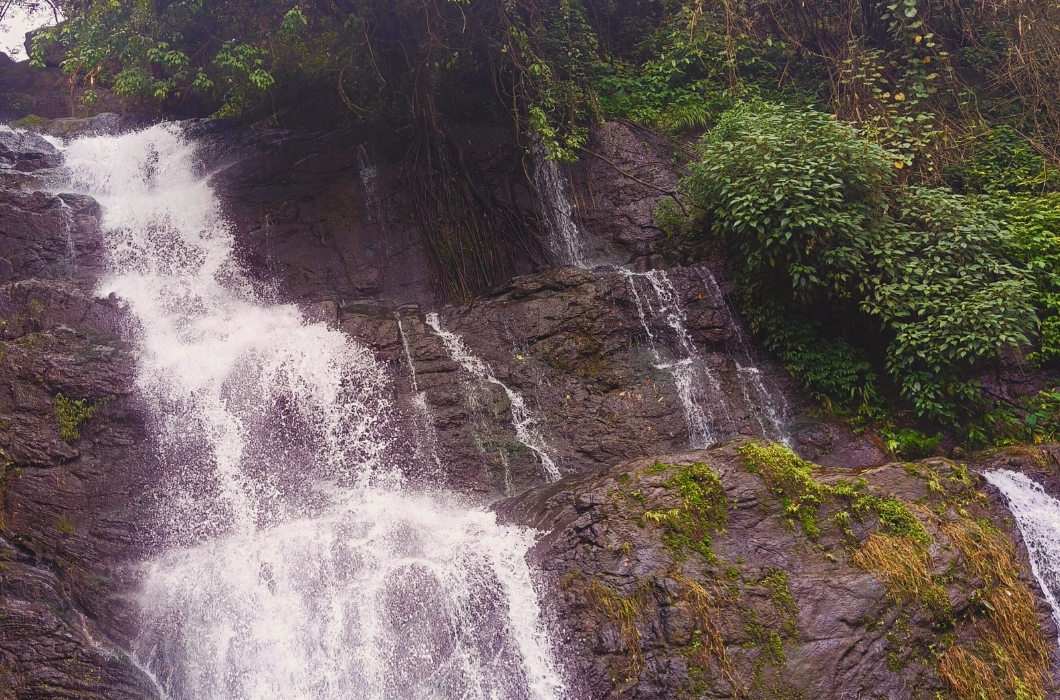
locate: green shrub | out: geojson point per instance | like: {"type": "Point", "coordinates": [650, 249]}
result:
{"type": "Point", "coordinates": [822, 229]}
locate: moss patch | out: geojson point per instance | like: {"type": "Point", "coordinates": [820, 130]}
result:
{"type": "Point", "coordinates": [790, 477]}
{"type": "Point", "coordinates": [704, 508]}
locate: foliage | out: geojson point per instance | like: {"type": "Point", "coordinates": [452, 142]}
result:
{"type": "Point", "coordinates": [71, 413]}
{"type": "Point", "coordinates": [821, 227]}
{"type": "Point", "coordinates": [909, 443]}
{"type": "Point", "coordinates": [1033, 226]}
{"type": "Point", "coordinates": [704, 508]}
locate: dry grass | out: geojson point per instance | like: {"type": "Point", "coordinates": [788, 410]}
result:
{"type": "Point", "coordinates": [704, 603]}
{"type": "Point", "coordinates": [905, 566]}
{"type": "Point", "coordinates": [623, 613]}
{"type": "Point", "coordinates": [1011, 630]}
{"type": "Point", "coordinates": [968, 677]}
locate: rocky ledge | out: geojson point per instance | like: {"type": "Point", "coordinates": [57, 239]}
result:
{"type": "Point", "coordinates": [745, 571]}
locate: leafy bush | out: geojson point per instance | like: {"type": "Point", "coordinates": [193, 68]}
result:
{"type": "Point", "coordinates": [823, 230]}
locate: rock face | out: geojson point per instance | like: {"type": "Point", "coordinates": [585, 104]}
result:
{"type": "Point", "coordinates": [72, 484]}
{"type": "Point", "coordinates": [584, 367]}
{"type": "Point", "coordinates": [770, 606]}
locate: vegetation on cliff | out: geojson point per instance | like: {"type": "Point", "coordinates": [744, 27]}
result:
{"type": "Point", "coordinates": [885, 173]}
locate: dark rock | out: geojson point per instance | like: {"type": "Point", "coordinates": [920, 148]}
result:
{"type": "Point", "coordinates": [840, 636]}
{"type": "Point", "coordinates": [26, 152]}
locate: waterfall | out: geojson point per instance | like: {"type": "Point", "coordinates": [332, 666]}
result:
{"type": "Point", "coordinates": [767, 406]}
{"type": "Point", "coordinates": [369, 175]}
{"type": "Point", "coordinates": [696, 384]}
{"type": "Point", "coordinates": [557, 211]}
{"type": "Point", "coordinates": [70, 259]}
{"type": "Point", "coordinates": [425, 439]}
{"type": "Point", "coordinates": [294, 561]}
{"type": "Point", "coordinates": [1038, 517]}
{"type": "Point", "coordinates": [702, 396]}
{"type": "Point", "coordinates": [522, 419]}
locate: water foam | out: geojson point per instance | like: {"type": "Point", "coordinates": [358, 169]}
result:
{"type": "Point", "coordinates": [296, 563]}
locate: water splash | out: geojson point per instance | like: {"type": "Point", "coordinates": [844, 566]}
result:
{"type": "Point", "coordinates": [522, 419]}
{"type": "Point", "coordinates": [1038, 516]}
{"type": "Point", "coordinates": [297, 564]}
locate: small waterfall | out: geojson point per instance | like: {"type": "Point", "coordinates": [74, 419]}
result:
{"type": "Point", "coordinates": [522, 419]}
{"type": "Point", "coordinates": [426, 440]}
{"type": "Point", "coordinates": [369, 175]}
{"type": "Point", "coordinates": [701, 394]}
{"type": "Point", "coordinates": [70, 259]}
{"type": "Point", "coordinates": [768, 408]}
{"type": "Point", "coordinates": [295, 562]}
{"type": "Point", "coordinates": [1038, 517]}
{"type": "Point", "coordinates": [557, 211]}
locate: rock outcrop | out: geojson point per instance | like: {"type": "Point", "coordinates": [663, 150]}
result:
{"type": "Point", "coordinates": [76, 452]}
{"type": "Point", "coordinates": [726, 573]}
{"type": "Point", "coordinates": [667, 579]}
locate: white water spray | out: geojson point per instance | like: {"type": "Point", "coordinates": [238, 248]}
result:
{"type": "Point", "coordinates": [296, 563]}
{"type": "Point", "coordinates": [1038, 516]}
{"type": "Point", "coordinates": [522, 419]}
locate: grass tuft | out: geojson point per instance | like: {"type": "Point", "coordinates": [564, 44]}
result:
{"type": "Point", "coordinates": [904, 565]}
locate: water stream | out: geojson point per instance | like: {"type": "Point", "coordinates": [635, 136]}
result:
{"type": "Point", "coordinates": [708, 416]}
{"type": "Point", "coordinates": [294, 561]}
{"type": "Point", "coordinates": [557, 211]}
{"type": "Point", "coordinates": [523, 420]}
{"type": "Point", "coordinates": [1038, 517]}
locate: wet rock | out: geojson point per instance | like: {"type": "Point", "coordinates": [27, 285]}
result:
{"type": "Point", "coordinates": [26, 152]}
{"type": "Point", "coordinates": [71, 503]}
{"type": "Point", "coordinates": [795, 616]}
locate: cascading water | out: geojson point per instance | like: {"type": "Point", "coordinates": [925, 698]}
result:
{"type": "Point", "coordinates": [696, 384]}
{"type": "Point", "coordinates": [1038, 517]}
{"type": "Point", "coordinates": [557, 211]}
{"type": "Point", "coordinates": [522, 419]}
{"type": "Point", "coordinates": [294, 561]}
{"type": "Point", "coordinates": [769, 409]}
{"type": "Point", "coordinates": [70, 259]}
{"type": "Point", "coordinates": [424, 436]}
{"type": "Point", "coordinates": [703, 399]}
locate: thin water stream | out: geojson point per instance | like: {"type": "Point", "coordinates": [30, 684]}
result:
{"type": "Point", "coordinates": [295, 562]}
{"type": "Point", "coordinates": [706, 406]}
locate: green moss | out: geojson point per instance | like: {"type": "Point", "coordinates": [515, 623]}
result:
{"type": "Point", "coordinates": [30, 121]}
{"type": "Point", "coordinates": [783, 602]}
{"type": "Point", "coordinates": [704, 508]}
{"type": "Point", "coordinates": [71, 413]}
{"type": "Point", "coordinates": [790, 478]}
